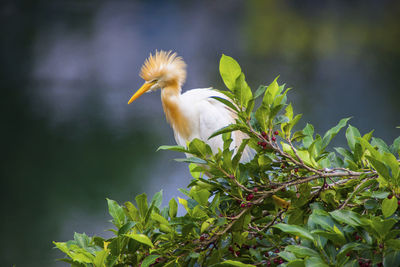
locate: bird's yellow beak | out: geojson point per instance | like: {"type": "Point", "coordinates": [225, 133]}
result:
{"type": "Point", "coordinates": [145, 87]}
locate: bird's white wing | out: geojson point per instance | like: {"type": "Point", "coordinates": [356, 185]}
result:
{"type": "Point", "coordinates": [213, 115]}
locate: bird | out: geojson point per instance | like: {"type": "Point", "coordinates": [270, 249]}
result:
{"type": "Point", "coordinates": [194, 113]}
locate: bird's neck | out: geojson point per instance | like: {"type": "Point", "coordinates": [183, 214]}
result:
{"type": "Point", "coordinates": [173, 109]}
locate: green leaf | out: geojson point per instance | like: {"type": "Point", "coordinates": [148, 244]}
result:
{"type": "Point", "coordinates": [350, 247]}
{"type": "Point", "coordinates": [380, 167]}
{"type": "Point", "coordinates": [198, 147]}
{"type": "Point", "coordinates": [232, 263]}
{"type": "Point", "coordinates": [226, 102]}
{"type": "Point", "coordinates": [262, 116]}
{"type": "Point", "coordinates": [393, 243]}
{"type": "Point", "coordinates": [260, 90]}
{"type": "Point", "coordinates": [389, 206]}
{"type": "Point", "coordinates": [141, 239]}
{"type": "Point", "coordinates": [173, 148]}
{"type": "Point", "coordinates": [335, 237]}
{"type": "Point", "coordinates": [333, 132]}
{"type": "Point", "coordinates": [315, 262]}
{"type": "Point", "coordinates": [116, 212]}
{"type": "Point", "coordinates": [132, 211]}
{"type": "Point", "coordinates": [229, 70]}
{"type": "Point", "coordinates": [301, 251]}
{"type": "Point", "coordinates": [295, 230]}
{"type": "Point", "coordinates": [192, 160]}
{"type": "Point", "coordinates": [141, 201]}
{"type": "Point", "coordinates": [157, 199]}
{"type": "Point", "coordinates": [348, 217]}
{"type": "Point", "coordinates": [382, 227]}
{"type": "Point", "coordinates": [149, 260]}
{"type": "Point", "coordinates": [126, 227]}
{"type": "Point", "coordinates": [228, 129]}
{"type": "Point", "coordinates": [200, 195]}
{"type": "Point", "coordinates": [351, 134]}
{"type": "Point", "coordinates": [242, 91]}
{"type": "Point", "coordinates": [100, 259]}
{"type": "Point", "coordinates": [206, 224]}
{"type": "Point", "coordinates": [82, 240]}
{"type": "Point", "coordinates": [271, 92]}
{"type": "Point", "coordinates": [391, 259]}
{"type": "Point", "coordinates": [173, 208]}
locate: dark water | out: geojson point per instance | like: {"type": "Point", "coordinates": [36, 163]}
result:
{"type": "Point", "coordinates": [68, 68]}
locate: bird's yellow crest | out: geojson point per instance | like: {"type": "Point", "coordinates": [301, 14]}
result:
{"type": "Point", "coordinates": [163, 69]}
{"type": "Point", "coordinates": [166, 66]}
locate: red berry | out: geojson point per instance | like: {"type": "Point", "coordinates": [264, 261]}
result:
{"type": "Point", "coordinates": [249, 204]}
{"type": "Point", "coordinates": [259, 143]}
{"type": "Point", "coordinates": [348, 255]}
{"type": "Point", "coordinates": [273, 138]}
{"type": "Point", "coordinates": [380, 245]}
{"type": "Point", "coordinates": [390, 196]}
{"type": "Point", "coordinates": [357, 237]}
{"type": "Point", "coordinates": [249, 197]}
{"type": "Point", "coordinates": [242, 205]}
{"type": "Point", "coordinates": [266, 254]}
{"type": "Point", "coordinates": [283, 166]}
{"type": "Point", "coordinates": [264, 134]}
{"type": "Point", "coordinates": [276, 133]}
{"type": "Point", "coordinates": [276, 251]}
{"type": "Point", "coordinates": [268, 263]}
{"type": "Point", "coordinates": [237, 253]}
{"type": "Point", "coordinates": [230, 249]}
{"type": "Point", "coordinates": [255, 190]}
{"type": "Point", "coordinates": [276, 260]}
{"type": "Point", "coordinates": [221, 215]}
{"type": "Point", "coordinates": [202, 238]}
{"type": "Point", "coordinates": [280, 261]}
{"type": "Point", "coordinates": [398, 203]}
{"type": "Point", "coordinates": [296, 169]}
{"type": "Point", "coordinates": [232, 176]}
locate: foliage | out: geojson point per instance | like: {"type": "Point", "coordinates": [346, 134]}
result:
{"type": "Point", "coordinates": [296, 203]}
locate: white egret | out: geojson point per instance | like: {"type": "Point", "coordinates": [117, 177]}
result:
{"type": "Point", "coordinates": [193, 114]}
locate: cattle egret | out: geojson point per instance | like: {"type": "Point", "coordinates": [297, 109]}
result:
{"type": "Point", "coordinates": [193, 114]}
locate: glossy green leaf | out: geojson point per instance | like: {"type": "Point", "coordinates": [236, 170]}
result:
{"type": "Point", "coordinates": [301, 251]}
{"type": "Point", "coordinates": [351, 134]}
{"type": "Point", "coordinates": [144, 239]}
{"type": "Point", "coordinates": [229, 70]}
{"type": "Point", "coordinates": [100, 259]}
{"type": "Point", "coordinates": [389, 206]}
{"type": "Point", "coordinates": [295, 230]}
{"type": "Point", "coordinates": [116, 212]}
{"type": "Point", "coordinates": [149, 260]}
{"type": "Point", "coordinates": [173, 208]}
{"type": "Point", "coordinates": [141, 201]}
{"type": "Point", "coordinates": [226, 102]}
{"type": "Point", "coordinates": [232, 263]}
{"type": "Point", "coordinates": [173, 148]}
{"type": "Point", "coordinates": [242, 91]}
{"type": "Point", "coordinates": [333, 132]}
{"type": "Point", "coordinates": [348, 217]}
{"type": "Point", "coordinates": [157, 199]}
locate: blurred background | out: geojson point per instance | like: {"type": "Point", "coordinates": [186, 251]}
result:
{"type": "Point", "coordinates": [68, 68]}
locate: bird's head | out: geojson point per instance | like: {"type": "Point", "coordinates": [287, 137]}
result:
{"type": "Point", "coordinates": [161, 70]}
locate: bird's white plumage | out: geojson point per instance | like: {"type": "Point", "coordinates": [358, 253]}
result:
{"type": "Point", "coordinates": [194, 114]}
{"type": "Point", "coordinates": [207, 116]}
